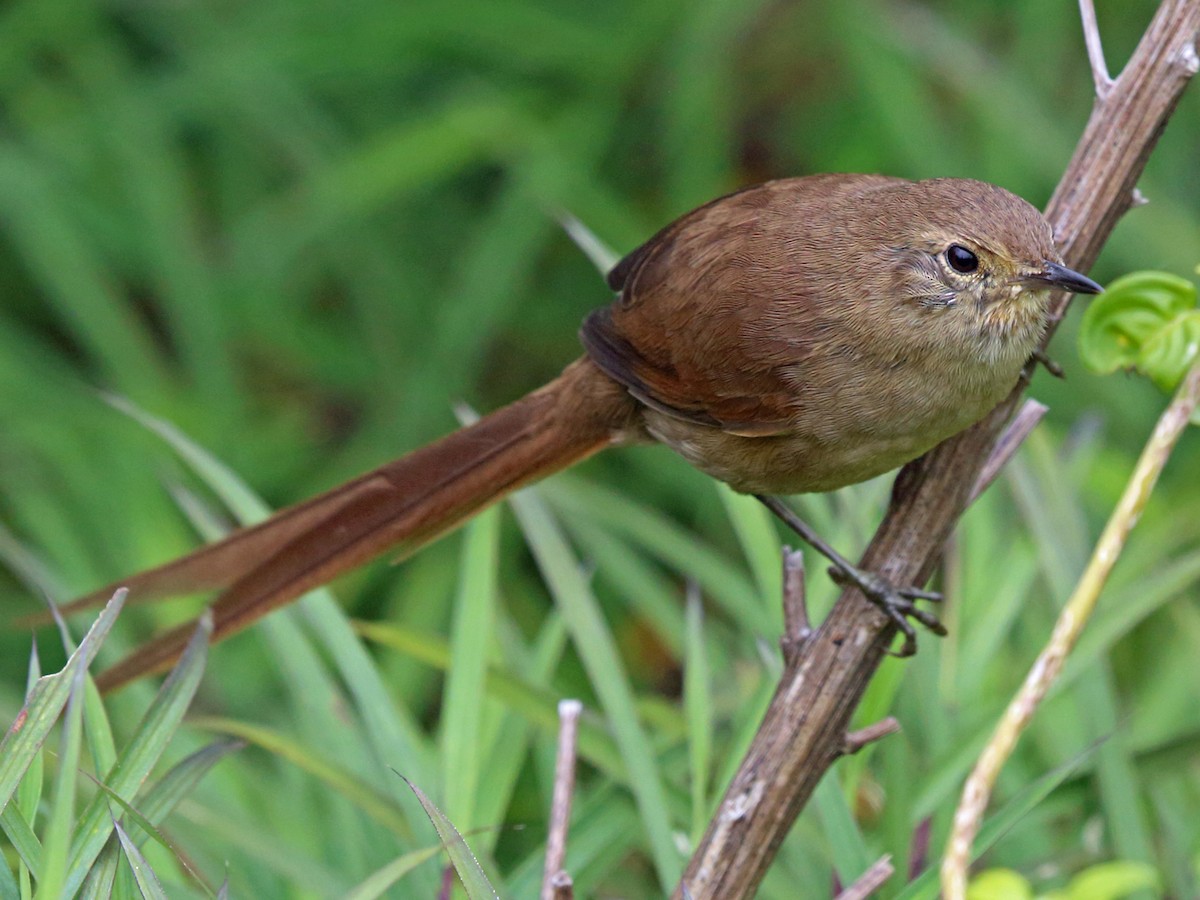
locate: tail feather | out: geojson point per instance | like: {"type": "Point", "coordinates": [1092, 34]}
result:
{"type": "Point", "coordinates": [219, 564]}
{"type": "Point", "coordinates": [400, 506]}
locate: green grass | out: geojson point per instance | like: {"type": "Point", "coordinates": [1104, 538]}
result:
{"type": "Point", "coordinates": [300, 231]}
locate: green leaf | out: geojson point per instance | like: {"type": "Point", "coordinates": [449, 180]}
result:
{"type": "Point", "coordinates": [9, 889]}
{"type": "Point", "coordinates": [1112, 881]}
{"type": "Point", "coordinates": [537, 705]}
{"type": "Point", "coordinates": [697, 702]}
{"type": "Point", "coordinates": [180, 779]}
{"type": "Point", "coordinates": [381, 880]}
{"type": "Point", "coordinates": [462, 710]}
{"type": "Point", "coordinates": [760, 542]}
{"type": "Point", "coordinates": [146, 880]}
{"type": "Point", "coordinates": [1169, 352]}
{"type": "Point", "coordinates": [150, 740]}
{"type": "Point", "coordinates": [392, 731]}
{"type": "Point", "coordinates": [20, 834]}
{"type": "Point", "coordinates": [383, 810]}
{"type": "Point", "coordinates": [848, 847]}
{"type": "Point", "coordinates": [997, 825]}
{"type": "Point", "coordinates": [57, 845]}
{"type": "Point", "coordinates": [1146, 321]}
{"type": "Point", "coordinates": [999, 884]}
{"type": "Point", "coordinates": [465, 864]}
{"type": "Point", "coordinates": [15, 819]}
{"type": "Point", "coordinates": [49, 695]}
{"type": "Point", "coordinates": [597, 649]}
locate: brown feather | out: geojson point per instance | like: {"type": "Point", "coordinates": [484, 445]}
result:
{"type": "Point", "coordinates": [398, 507]}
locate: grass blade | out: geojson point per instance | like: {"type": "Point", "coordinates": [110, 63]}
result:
{"type": "Point", "coordinates": [536, 704]}
{"type": "Point", "coordinates": [697, 701]}
{"type": "Point", "coordinates": [24, 739]}
{"type": "Point", "coordinates": [465, 864]}
{"type": "Point", "coordinates": [382, 879]}
{"type": "Point", "coordinates": [57, 844]}
{"type": "Point", "coordinates": [926, 887]}
{"type": "Point", "coordinates": [143, 875]}
{"type": "Point", "coordinates": [393, 733]}
{"type": "Point", "coordinates": [594, 642]}
{"type": "Point", "coordinates": [760, 543]}
{"type": "Point", "coordinates": [363, 795]}
{"type": "Point", "coordinates": [462, 711]}
{"type": "Point", "coordinates": [149, 741]}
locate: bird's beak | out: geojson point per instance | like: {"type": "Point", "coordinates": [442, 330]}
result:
{"type": "Point", "coordinates": [1060, 276]}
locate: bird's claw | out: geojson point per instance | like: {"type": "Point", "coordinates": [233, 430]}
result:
{"type": "Point", "coordinates": [898, 603]}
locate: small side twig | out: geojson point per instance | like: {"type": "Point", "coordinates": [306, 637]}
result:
{"type": "Point", "coordinates": [1021, 426]}
{"type": "Point", "coordinates": [869, 881]}
{"type": "Point", "coordinates": [856, 740]}
{"type": "Point", "coordinates": [1071, 621]}
{"type": "Point", "coordinates": [555, 880]}
{"type": "Point", "coordinates": [796, 626]}
{"type": "Point", "coordinates": [1095, 49]}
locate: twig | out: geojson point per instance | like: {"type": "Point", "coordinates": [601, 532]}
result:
{"type": "Point", "coordinates": [560, 805]}
{"type": "Point", "coordinates": [869, 881]}
{"type": "Point", "coordinates": [1095, 49]}
{"type": "Point", "coordinates": [1071, 621]}
{"type": "Point", "coordinates": [796, 627]}
{"type": "Point", "coordinates": [1021, 426]}
{"type": "Point", "coordinates": [856, 740]}
{"type": "Point", "coordinates": [562, 885]}
{"type": "Point", "coordinates": [805, 723]}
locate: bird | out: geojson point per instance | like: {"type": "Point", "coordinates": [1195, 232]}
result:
{"type": "Point", "coordinates": [794, 336]}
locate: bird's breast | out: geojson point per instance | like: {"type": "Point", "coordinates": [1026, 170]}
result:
{"type": "Point", "coordinates": [871, 419]}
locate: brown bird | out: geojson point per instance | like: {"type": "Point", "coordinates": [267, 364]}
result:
{"type": "Point", "coordinates": [796, 336]}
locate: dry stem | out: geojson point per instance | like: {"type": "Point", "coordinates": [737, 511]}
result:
{"type": "Point", "coordinates": [554, 880]}
{"type": "Point", "coordinates": [870, 880]}
{"type": "Point", "coordinates": [1071, 621]}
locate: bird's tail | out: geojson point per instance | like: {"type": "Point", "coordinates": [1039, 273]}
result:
{"type": "Point", "coordinates": [398, 507]}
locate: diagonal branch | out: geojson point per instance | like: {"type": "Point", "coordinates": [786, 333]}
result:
{"type": "Point", "coordinates": [803, 730]}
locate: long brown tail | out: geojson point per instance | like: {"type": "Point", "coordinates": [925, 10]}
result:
{"type": "Point", "coordinates": [400, 507]}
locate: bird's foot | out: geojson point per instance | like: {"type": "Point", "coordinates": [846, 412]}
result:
{"type": "Point", "coordinates": [898, 603]}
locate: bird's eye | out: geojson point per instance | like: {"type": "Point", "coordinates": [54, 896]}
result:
{"type": "Point", "coordinates": [961, 259]}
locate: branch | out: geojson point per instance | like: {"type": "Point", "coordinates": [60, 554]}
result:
{"type": "Point", "coordinates": [803, 730]}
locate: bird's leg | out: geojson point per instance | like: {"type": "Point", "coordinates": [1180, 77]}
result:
{"type": "Point", "coordinates": [899, 604]}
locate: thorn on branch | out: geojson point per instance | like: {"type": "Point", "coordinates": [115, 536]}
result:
{"type": "Point", "coordinates": [856, 740]}
{"type": "Point", "coordinates": [1190, 57]}
{"type": "Point", "coordinates": [1095, 50]}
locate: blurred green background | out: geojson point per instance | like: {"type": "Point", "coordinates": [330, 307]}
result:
{"type": "Point", "coordinates": [300, 230]}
